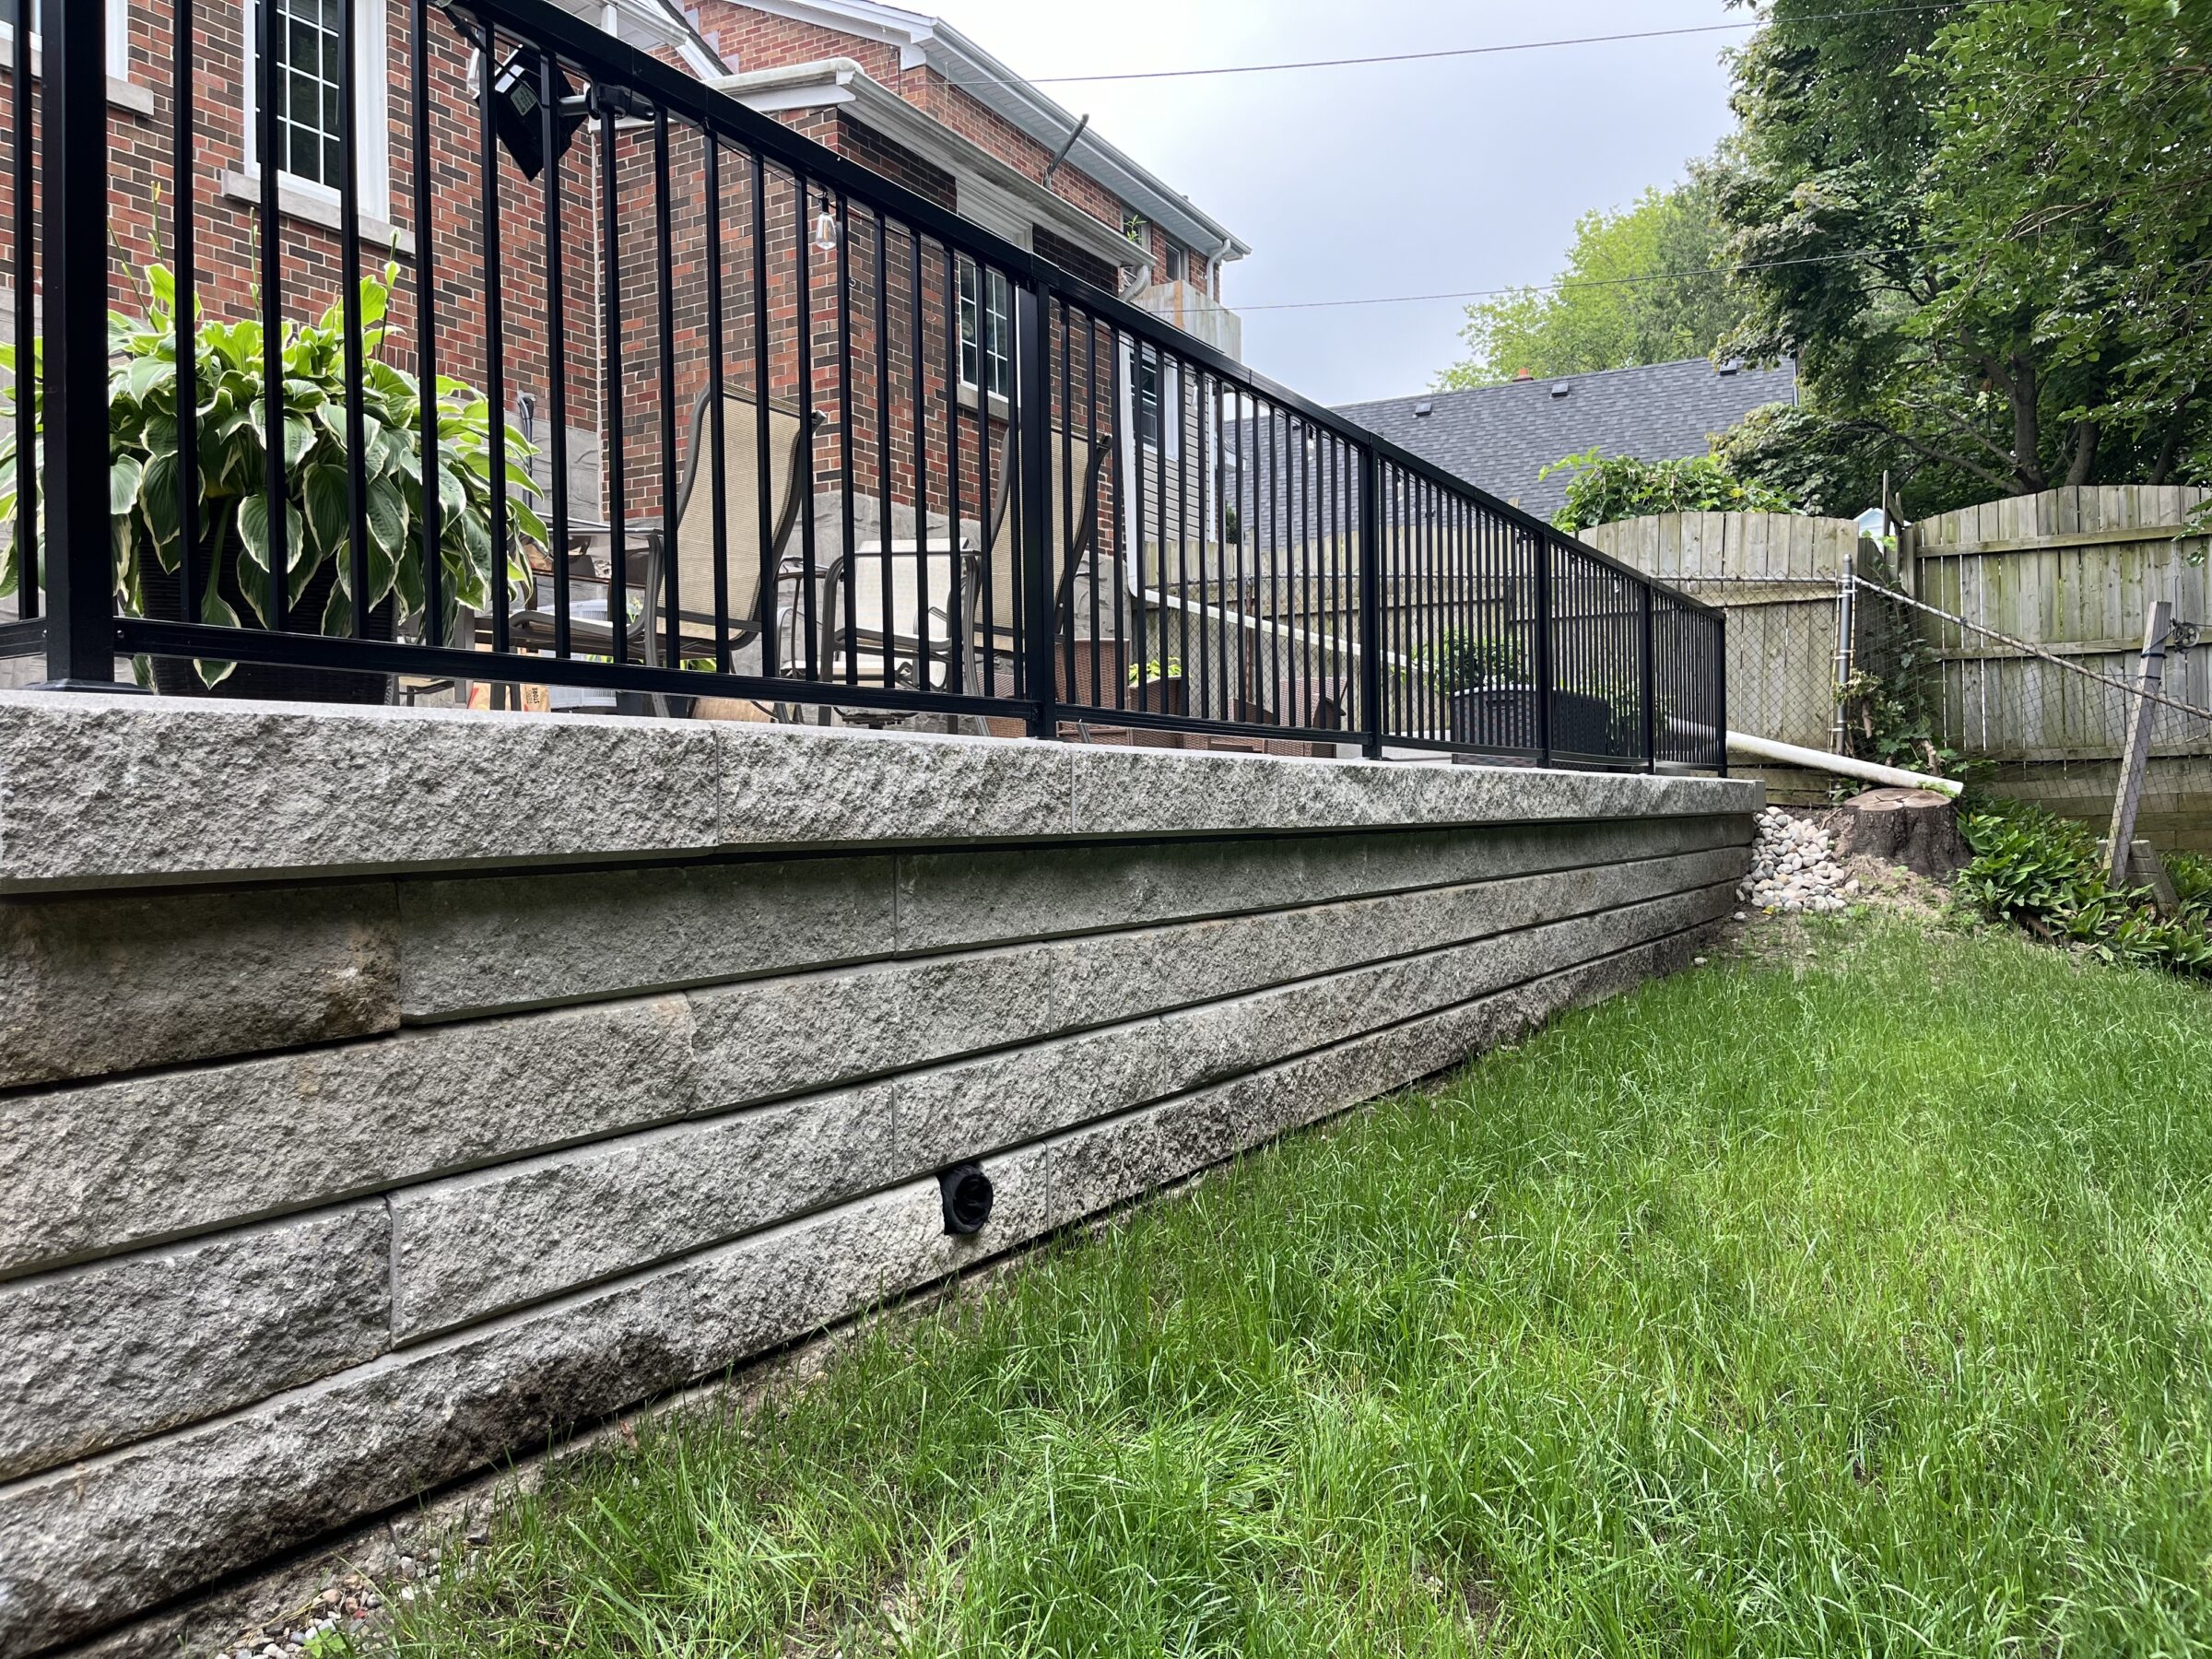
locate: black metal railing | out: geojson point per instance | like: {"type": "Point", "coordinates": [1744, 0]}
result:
{"type": "Point", "coordinates": [809, 438]}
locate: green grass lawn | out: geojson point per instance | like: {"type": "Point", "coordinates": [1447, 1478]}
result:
{"type": "Point", "coordinates": [1852, 1302]}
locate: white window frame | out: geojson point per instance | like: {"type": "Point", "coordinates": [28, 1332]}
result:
{"type": "Point", "coordinates": [992, 357]}
{"type": "Point", "coordinates": [1166, 435]}
{"type": "Point", "coordinates": [372, 111]}
{"type": "Point", "coordinates": [118, 41]}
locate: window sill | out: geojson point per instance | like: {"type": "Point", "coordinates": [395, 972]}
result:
{"type": "Point", "coordinates": [1000, 409]}
{"type": "Point", "coordinates": [313, 208]}
{"type": "Point", "coordinates": [122, 94]}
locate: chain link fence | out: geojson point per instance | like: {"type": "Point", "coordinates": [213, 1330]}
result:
{"type": "Point", "coordinates": [1866, 670]}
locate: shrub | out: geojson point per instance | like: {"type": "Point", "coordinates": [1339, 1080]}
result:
{"type": "Point", "coordinates": [233, 509]}
{"type": "Point", "coordinates": [1607, 487]}
{"type": "Point", "coordinates": [2042, 873]}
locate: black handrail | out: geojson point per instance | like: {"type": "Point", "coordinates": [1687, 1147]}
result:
{"type": "Point", "coordinates": [1371, 595]}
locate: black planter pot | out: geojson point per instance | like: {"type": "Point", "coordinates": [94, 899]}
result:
{"type": "Point", "coordinates": [269, 682]}
{"type": "Point", "coordinates": [1504, 717]}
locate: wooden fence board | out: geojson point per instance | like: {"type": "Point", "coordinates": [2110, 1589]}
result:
{"type": "Point", "coordinates": [2071, 570]}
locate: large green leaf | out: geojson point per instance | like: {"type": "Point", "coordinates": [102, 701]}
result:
{"type": "Point", "coordinates": [328, 507]}
{"type": "Point", "coordinates": [123, 474]}
{"type": "Point", "coordinates": [159, 505]}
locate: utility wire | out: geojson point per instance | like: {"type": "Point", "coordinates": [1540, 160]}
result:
{"type": "Point", "coordinates": [1465, 52]}
{"type": "Point", "coordinates": [1585, 282]}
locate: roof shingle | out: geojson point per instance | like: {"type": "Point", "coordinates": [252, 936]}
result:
{"type": "Point", "coordinates": [1500, 438]}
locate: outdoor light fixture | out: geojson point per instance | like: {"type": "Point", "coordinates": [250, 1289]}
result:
{"type": "Point", "coordinates": [517, 111]}
{"type": "Point", "coordinates": [825, 230]}
{"type": "Point", "coordinates": [967, 1193]}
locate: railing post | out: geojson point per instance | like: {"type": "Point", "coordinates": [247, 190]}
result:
{"type": "Point", "coordinates": [1543, 653]}
{"type": "Point", "coordinates": [80, 582]}
{"type": "Point", "coordinates": [1033, 472]}
{"type": "Point", "coordinates": [1370, 603]}
{"type": "Point", "coordinates": [1649, 678]}
{"type": "Point", "coordinates": [1720, 692]}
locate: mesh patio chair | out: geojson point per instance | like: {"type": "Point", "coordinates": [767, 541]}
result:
{"type": "Point", "coordinates": [995, 632]}
{"type": "Point", "coordinates": [590, 632]}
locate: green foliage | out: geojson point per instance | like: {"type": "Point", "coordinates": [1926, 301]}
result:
{"type": "Point", "coordinates": [1608, 487]}
{"type": "Point", "coordinates": [1457, 660]}
{"type": "Point", "coordinates": [1154, 669]}
{"type": "Point", "coordinates": [2042, 873]}
{"type": "Point", "coordinates": [1981, 229]}
{"type": "Point", "coordinates": [1852, 1305]}
{"type": "Point", "coordinates": [1607, 312]}
{"type": "Point", "coordinates": [1888, 714]}
{"type": "Point", "coordinates": [233, 436]}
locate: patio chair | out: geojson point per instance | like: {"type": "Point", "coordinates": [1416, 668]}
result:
{"type": "Point", "coordinates": [1072, 458]}
{"type": "Point", "coordinates": [919, 652]}
{"type": "Point", "coordinates": [590, 631]}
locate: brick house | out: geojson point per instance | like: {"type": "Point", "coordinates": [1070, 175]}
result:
{"type": "Point", "coordinates": [895, 91]}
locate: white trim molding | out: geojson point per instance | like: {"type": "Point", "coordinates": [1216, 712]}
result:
{"type": "Point", "coordinates": [994, 193]}
{"type": "Point", "coordinates": [928, 41]}
{"type": "Point", "coordinates": [123, 92]}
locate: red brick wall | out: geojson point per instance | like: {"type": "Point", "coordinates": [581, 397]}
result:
{"type": "Point", "coordinates": [886, 369]}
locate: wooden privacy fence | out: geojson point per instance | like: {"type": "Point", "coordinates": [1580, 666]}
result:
{"type": "Point", "coordinates": [2072, 571]}
{"type": "Point", "coordinates": [1781, 579]}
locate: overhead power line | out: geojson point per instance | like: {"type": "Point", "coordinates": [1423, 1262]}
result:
{"type": "Point", "coordinates": [1560, 287]}
{"type": "Point", "coordinates": [1466, 51]}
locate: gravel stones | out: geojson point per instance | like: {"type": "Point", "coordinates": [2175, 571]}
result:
{"type": "Point", "coordinates": [1793, 868]}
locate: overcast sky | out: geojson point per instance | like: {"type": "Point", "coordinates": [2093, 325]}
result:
{"type": "Point", "coordinates": [1386, 179]}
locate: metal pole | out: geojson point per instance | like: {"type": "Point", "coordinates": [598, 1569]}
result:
{"type": "Point", "coordinates": [1542, 550]}
{"type": "Point", "coordinates": [1033, 498]}
{"type": "Point", "coordinates": [1843, 657]}
{"type": "Point", "coordinates": [1650, 678]}
{"type": "Point", "coordinates": [1370, 603]}
{"type": "Point", "coordinates": [80, 581]}
{"type": "Point", "coordinates": [2157, 621]}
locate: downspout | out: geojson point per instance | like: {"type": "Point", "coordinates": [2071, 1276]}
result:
{"type": "Point", "coordinates": [1060, 154]}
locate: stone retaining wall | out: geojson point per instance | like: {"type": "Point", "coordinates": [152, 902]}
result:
{"type": "Point", "coordinates": [382, 1093]}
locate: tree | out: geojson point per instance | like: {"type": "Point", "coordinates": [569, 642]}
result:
{"type": "Point", "coordinates": [1636, 288]}
{"type": "Point", "coordinates": [1606, 489]}
{"type": "Point", "coordinates": [1981, 231]}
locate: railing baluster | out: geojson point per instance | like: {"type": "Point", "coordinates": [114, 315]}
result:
{"type": "Point", "coordinates": [917, 361]}
{"type": "Point", "coordinates": [349, 285]}
{"type": "Point", "coordinates": [271, 16]}
{"type": "Point", "coordinates": [426, 327]}
{"type": "Point", "coordinates": [884, 526]}
{"type": "Point", "coordinates": [717, 423]}
{"type": "Point", "coordinates": [963, 633]}
{"type": "Point", "coordinates": [495, 329]}
{"type": "Point", "coordinates": [764, 487]}
{"type": "Point", "coordinates": [557, 348]}
{"type": "Point", "coordinates": [670, 597]}
{"type": "Point", "coordinates": [184, 251]}
{"type": "Point", "coordinates": [1033, 412]}
{"type": "Point", "coordinates": [80, 637]}
{"type": "Point", "coordinates": [1064, 511]}
{"type": "Point", "coordinates": [27, 440]}
{"type": "Point", "coordinates": [1370, 616]}
{"type": "Point", "coordinates": [613, 438]}
{"type": "Point", "coordinates": [849, 548]}
{"type": "Point", "coordinates": [1541, 551]}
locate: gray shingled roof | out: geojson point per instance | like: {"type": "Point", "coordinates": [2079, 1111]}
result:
{"type": "Point", "coordinates": [1500, 438]}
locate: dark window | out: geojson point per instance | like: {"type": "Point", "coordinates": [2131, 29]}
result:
{"type": "Point", "coordinates": [308, 123]}
{"type": "Point", "coordinates": [986, 340]}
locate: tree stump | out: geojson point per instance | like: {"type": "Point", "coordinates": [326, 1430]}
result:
{"type": "Point", "coordinates": [1915, 828]}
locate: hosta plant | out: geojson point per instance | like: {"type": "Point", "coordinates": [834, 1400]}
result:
{"type": "Point", "coordinates": [233, 511]}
